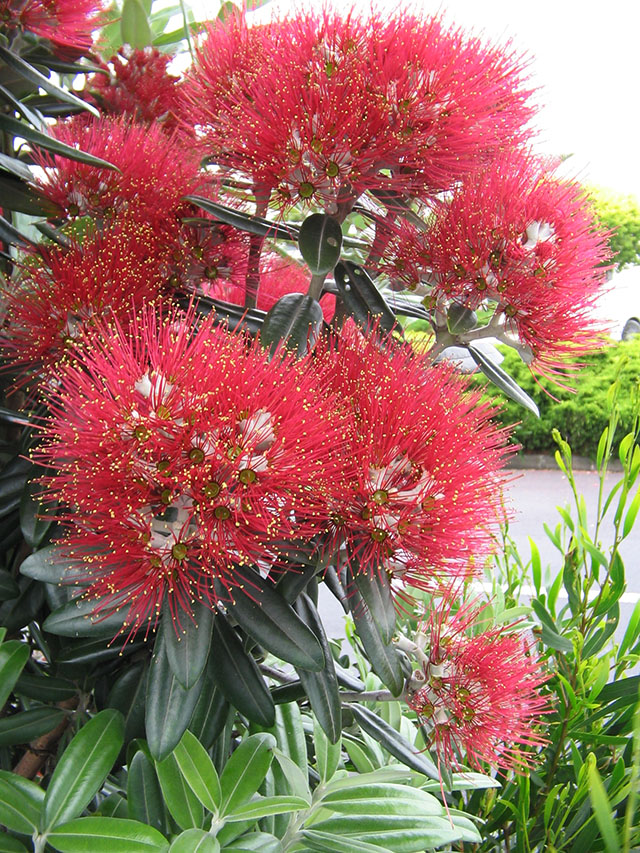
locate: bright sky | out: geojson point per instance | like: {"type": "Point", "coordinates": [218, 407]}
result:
{"type": "Point", "coordinates": [586, 59]}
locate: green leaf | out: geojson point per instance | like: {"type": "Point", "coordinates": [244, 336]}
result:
{"type": "Point", "coordinates": [602, 808]}
{"type": "Point", "coordinates": [134, 25]}
{"type": "Point", "coordinates": [195, 841]}
{"type": "Point", "coordinates": [186, 809]}
{"type": "Point", "coordinates": [82, 768]}
{"type": "Point", "coordinates": [327, 753]}
{"type": "Point", "coordinates": [502, 380]}
{"type": "Point", "coordinates": [144, 795]}
{"type": "Point", "coordinates": [20, 803]}
{"type": "Point", "coordinates": [253, 224]}
{"type": "Point", "coordinates": [289, 734]}
{"type": "Point", "coordinates": [320, 242]}
{"type": "Point", "coordinates": [384, 657]}
{"type": "Point", "coordinates": [18, 128]}
{"type": "Point", "coordinates": [28, 725]}
{"type": "Point", "coordinates": [461, 319]}
{"type": "Point", "coordinates": [244, 772]}
{"type": "Point", "coordinates": [399, 833]}
{"type": "Point", "coordinates": [8, 587]}
{"type": "Point", "coordinates": [9, 844]}
{"type": "Point", "coordinates": [257, 842]}
{"type": "Point", "coordinates": [35, 518]}
{"type": "Point", "coordinates": [10, 235]}
{"type": "Point", "coordinates": [188, 643]}
{"type": "Point", "coordinates": [106, 835]}
{"type": "Point", "coordinates": [361, 297]}
{"type": "Point", "coordinates": [169, 705]}
{"type": "Point", "coordinates": [21, 198]}
{"type": "Point", "coordinates": [297, 779]}
{"type": "Point", "coordinates": [28, 72]}
{"type": "Point", "coordinates": [295, 321]}
{"type": "Point", "coordinates": [128, 695]}
{"type": "Point", "coordinates": [13, 657]}
{"type": "Point", "coordinates": [623, 688]}
{"type": "Point", "coordinates": [393, 742]}
{"type": "Point", "coordinates": [238, 677]}
{"type": "Point", "coordinates": [210, 713]}
{"type": "Point", "coordinates": [375, 594]}
{"type": "Point", "coordinates": [265, 806]}
{"type": "Point", "coordinates": [45, 688]}
{"type": "Point", "coordinates": [85, 617]}
{"type": "Point", "coordinates": [381, 797]}
{"type": "Point", "coordinates": [197, 768]}
{"type": "Point", "coordinates": [549, 635]}
{"type": "Point", "coordinates": [326, 842]}
{"type": "Point", "coordinates": [50, 565]}
{"type": "Point", "coordinates": [321, 687]}
{"type": "Point", "coordinates": [267, 617]}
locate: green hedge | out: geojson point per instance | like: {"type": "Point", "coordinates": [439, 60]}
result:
{"type": "Point", "coordinates": [580, 416]}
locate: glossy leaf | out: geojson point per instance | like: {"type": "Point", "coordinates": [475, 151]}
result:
{"type": "Point", "coordinates": [9, 844]}
{"type": "Point", "coordinates": [502, 380]}
{"type": "Point", "coordinates": [49, 565]}
{"type": "Point", "coordinates": [384, 657]}
{"type": "Point", "coordinates": [267, 617]}
{"type": "Point", "coordinates": [393, 742]}
{"type": "Point", "coordinates": [28, 725]}
{"type": "Point", "coordinates": [461, 319]}
{"type": "Point", "coordinates": [327, 753]}
{"type": "Point", "coordinates": [185, 808]}
{"type": "Point", "coordinates": [13, 657]}
{"type": "Point", "coordinates": [400, 833]}
{"type": "Point", "coordinates": [256, 842]}
{"type": "Point", "coordinates": [210, 713]}
{"type": "Point", "coordinates": [238, 677]}
{"type": "Point", "coordinates": [327, 842]}
{"type": "Point", "coordinates": [8, 587]}
{"type": "Point", "coordinates": [144, 795]}
{"type": "Point", "coordinates": [106, 835]}
{"type": "Point", "coordinates": [20, 803]}
{"type": "Point", "coordinates": [187, 644]}
{"type": "Point", "coordinates": [295, 321]}
{"type": "Point", "coordinates": [244, 772]}
{"type": "Point", "coordinates": [82, 768]}
{"type": "Point", "coordinates": [321, 687]}
{"type": "Point", "coordinates": [602, 809]}
{"type": "Point", "coordinates": [83, 617]}
{"type": "Point", "coordinates": [35, 518]}
{"type": "Point", "coordinates": [372, 798]}
{"type": "Point", "coordinates": [195, 841]}
{"type": "Point", "coordinates": [265, 806]}
{"type": "Point", "coordinates": [169, 705]}
{"type": "Point", "coordinates": [362, 298]}
{"type": "Point", "coordinates": [252, 224]}
{"type": "Point", "coordinates": [197, 769]}
{"type": "Point", "coordinates": [320, 242]}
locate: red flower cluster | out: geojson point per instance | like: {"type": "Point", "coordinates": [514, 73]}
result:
{"type": "Point", "coordinates": [321, 108]}
{"type": "Point", "coordinates": [479, 700]}
{"type": "Point", "coordinates": [68, 24]}
{"type": "Point", "coordinates": [155, 172]}
{"type": "Point", "coordinates": [180, 453]}
{"type": "Point", "coordinates": [422, 490]}
{"type": "Point", "coordinates": [138, 86]}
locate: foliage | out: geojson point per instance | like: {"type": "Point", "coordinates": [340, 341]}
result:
{"type": "Point", "coordinates": [621, 215]}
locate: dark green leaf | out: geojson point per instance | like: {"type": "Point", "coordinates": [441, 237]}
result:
{"type": "Point", "coordinates": [106, 835]}
{"type": "Point", "coordinates": [320, 242]}
{"type": "Point", "coordinates": [362, 298]}
{"type": "Point", "coordinates": [128, 695]}
{"type": "Point", "coordinates": [623, 688]}
{"type": "Point", "coordinates": [8, 587]}
{"type": "Point", "coordinates": [10, 235]}
{"type": "Point", "coordinates": [295, 321]}
{"type": "Point", "coordinates": [28, 72]}
{"type": "Point", "coordinates": [460, 319]}
{"type": "Point", "coordinates": [188, 643]}
{"type": "Point", "coordinates": [253, 224]}
{"type": "Point", "coordinates": [393, 742]}
{"type": "Point", "coordinates": [18, 128]}
{"type": "Point", "coordinates": [185, 808]}
{"type": "Point", "coordinates": [144, 795]}
{"type": "Point", "coordinates": [210, 713]}
{"type": "Point", "coordinates": [82, 768]}
{"type": "Point", "coordinates": [244, 772]}
{"type": "Point", "coordinates": [238, 677]}
{"type": "Point", "coordinates": [267, 617]}
{"type": "Point", "coordinates": [50, 566]}
{"type": "Point", "coordinates": [36, 518]}
{"type": "Point", "coordinates": [169, 705]}
{"type": "Point", "coordinates": [384, 657]}
{"type": "Point", "coordinates": [13, 657]}
{"type": "Point", "coordinates": [85, 617]}
{"type": "Point", "coordinates": [90, 652]}
{"type": "Point", "coordinates": [321, 687]}
{"type": "Point", "coordinates": [28, 725]}
{"type": "Point", "coordinates": [502, 380]}
{"type": "Point", "coordinates": [374, 593]}
{"type": "Point", "coordinates": [44, 688]}
{"type": "Point", "coordinates": [17, 196]}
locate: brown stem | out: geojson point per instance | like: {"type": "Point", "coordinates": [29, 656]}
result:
{"type": "Point", "coordinates": [43, 747]}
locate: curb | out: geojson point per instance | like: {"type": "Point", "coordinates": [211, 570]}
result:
{"type": "Point", "coordinates": [546, 462]}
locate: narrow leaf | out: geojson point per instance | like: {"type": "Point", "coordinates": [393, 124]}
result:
{"type": "Point", "coordinates": [83, 768]}
{"type": "Point", "coordinates": [383, 657]}
{"type": "Point", "coordinates": [253, 224]}
{"type": "Point", "coordinates": [502, 380]}
{"type": "Point", "coordinates": [28, 725]}
{"type": "Point", "coordinates": [106, 835]}
{"type": "Point", "coordinates": [18, 128]}
{"type": "Point", "coordinates": [362, 298]}
{"type": "Point", "coordinates": [602, 809]}
{"type": "Point", "coordinates": [188, 642]}
{"type": "Point", "coordinates": [375, 593]}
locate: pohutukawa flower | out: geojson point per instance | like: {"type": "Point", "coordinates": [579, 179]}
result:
{"type": "Point", "coordinates": [156, 171]}
{"type": "Point", "coordinates": [210, 259]}
{"type": "Point", "coordinates": [56, 299]}
{"type": "Point", "coordinates": [422, 490]}
{"type": "Point", "coordinates": [68, 24]}
{"type": "Point", "coordinates": [321, 108]}
{"type": "Point", "coordinates": [181, 453]}
{"type": "Point", "coordinates": [525, 241]}
{"type": "Point", "coordinates": [139, 87]}
{"type": "Point", "coordinates": [478, 696]}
